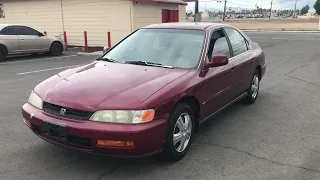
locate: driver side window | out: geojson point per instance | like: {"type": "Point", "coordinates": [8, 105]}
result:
{"type": "Point", "coordinates": [218, 44]}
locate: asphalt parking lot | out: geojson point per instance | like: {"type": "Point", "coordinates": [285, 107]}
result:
{"type": "Point", "coordinates": [276, 138]}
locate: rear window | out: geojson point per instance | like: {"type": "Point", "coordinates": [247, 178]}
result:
{"type": "Point", "coordinates": [8, 31]}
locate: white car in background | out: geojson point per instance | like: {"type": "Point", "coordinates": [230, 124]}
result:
{"type": "Point", "coordinates": [21, 39]}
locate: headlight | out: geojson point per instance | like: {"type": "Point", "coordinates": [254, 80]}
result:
{"type": "Point", "coordinates": [123, 116]}
{"type": "Point", "coordinates": [35, 100]}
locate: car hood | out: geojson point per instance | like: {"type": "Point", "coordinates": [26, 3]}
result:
{"type": "Point", "coordinates": [105, 85]}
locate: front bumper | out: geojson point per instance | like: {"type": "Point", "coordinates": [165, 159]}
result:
{"type": "Point", "coordinates": [263, 69]}
{"type": "Point", "coordinates": [65, 48]}
{"type": "Point", "coordinates": [82, 135]}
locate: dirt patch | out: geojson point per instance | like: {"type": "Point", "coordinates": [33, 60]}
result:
{"type": "Point", "coordinates": [275, 24]}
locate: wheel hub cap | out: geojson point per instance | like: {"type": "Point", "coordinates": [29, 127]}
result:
{"type": "Point", "coordinates": [182, 132]}
{"type": "Point", "coordinates": [255, 86]}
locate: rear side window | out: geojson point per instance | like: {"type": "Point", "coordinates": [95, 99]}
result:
{"type": "Point", "coordinates": [238, 42]}
{"type": "Point", "coordinates": [23, 30]}
{"type": "Point", "coordinates": [8, 31]}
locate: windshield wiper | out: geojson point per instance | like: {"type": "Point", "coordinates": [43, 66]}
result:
{"type": "Point", "coordinates": [146, 63]}
{"type": "Point", "coordinates": [106, 59]}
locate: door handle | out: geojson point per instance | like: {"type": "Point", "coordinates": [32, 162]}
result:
{"type": "Point", "coordinates": [22, 39]}
{"type": "Point", "coordinates": [233, 68]}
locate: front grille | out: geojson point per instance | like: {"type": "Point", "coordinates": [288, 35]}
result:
{"type": "Point", "coordinates": [70, 113]}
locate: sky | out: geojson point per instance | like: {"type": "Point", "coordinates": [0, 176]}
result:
{"type": "Point", "coordinates": [213, 5]}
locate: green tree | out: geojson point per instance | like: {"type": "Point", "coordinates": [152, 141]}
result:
{"type": "Point", "coordinates": [305, 10]}
{"type": "Point", "coordinates": [316, 6]}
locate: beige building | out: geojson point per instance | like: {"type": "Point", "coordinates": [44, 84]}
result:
{"type": "Point", "coordinates": [97, 17]}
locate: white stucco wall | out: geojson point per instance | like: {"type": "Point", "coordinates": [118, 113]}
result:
{"type": "Point", "coordinates": [149, 13]}
{"type": "Point", "coordinates": [97, 17]}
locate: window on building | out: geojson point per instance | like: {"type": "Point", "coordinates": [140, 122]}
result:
{"type": "Point", "coordinates": [2, 11]}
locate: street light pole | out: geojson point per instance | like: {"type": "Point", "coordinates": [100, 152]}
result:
{"type": "Point", "coordinates": [319, 18]}
{"type": "Point", "coordinates": [225, 9]}
{"type": "Point", "coordinates": [196, 11]}
{"type": "Point", "coordinates": [319, 23]}
{"type": "Point", "coordinates": [295, 9]}
{"type": "Point", "coordinates": [270, 9]}
{"type": "Point", "coordinates": [205, 7]}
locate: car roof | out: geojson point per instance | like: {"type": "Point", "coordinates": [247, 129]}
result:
{"type": "Point", "coordinates": [187, 25]}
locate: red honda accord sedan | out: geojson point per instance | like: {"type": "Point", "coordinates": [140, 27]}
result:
{"type": "Point", "coordinates": [149, 92]}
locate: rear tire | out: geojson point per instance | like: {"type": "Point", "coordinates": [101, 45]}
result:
{"type": "Point", "coordinates": [56, 49]}
{"type": "Point", "coordinates": [3, 53]}
{"type": "Point", "coordinates": [253, 90]}
{"type": "Point", "coordinates": [179, 133]}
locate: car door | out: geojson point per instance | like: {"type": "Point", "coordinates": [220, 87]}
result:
{"type": "Point", "coordinates": [242, 60]}
{"type": "Point", "coordinates": [217, 88]}
{"type": "Point", "coordinates": [9, 38]}
{"type": "Point", "coordinates": [31, 40]}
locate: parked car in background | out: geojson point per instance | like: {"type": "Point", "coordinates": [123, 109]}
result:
{"type": "Point", "coordinates": [21, 39]}
{"type": "Point", "coordinates": [148, 93]}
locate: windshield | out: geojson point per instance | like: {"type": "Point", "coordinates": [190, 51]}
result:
{"type": "Point", "coordinates": [167, 47]}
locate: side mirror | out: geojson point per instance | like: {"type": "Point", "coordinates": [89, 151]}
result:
{"type": "Point", "coordinates": [217, 60]}
{"type": "Point", "coordinates": [40, 34]}
{"type": "Point", "coordinates": [105, 49]}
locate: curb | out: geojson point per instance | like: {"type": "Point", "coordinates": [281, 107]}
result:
{"type": "Point", "coordinates": [89, 54]}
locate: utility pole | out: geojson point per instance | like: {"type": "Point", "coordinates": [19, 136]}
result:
{"type": "Point", "coordinates": [196, 12]}
{"type": "Point", "coordinates": [319, 19]}
{"type": "Point", "coordinates": [295, 9]}
{"type": "Point", "coordinates": [270, 9]}
{"type": "Point", "coordinates": [225, 9]}
{"type": "Point", "coordinates": [205, 7]}
{"type": "Point", "coordinates": [319, 23]}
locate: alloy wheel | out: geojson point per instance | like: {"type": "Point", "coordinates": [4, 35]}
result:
{"type": "Point", "coordinates": [182, 132]}
{"type": "Point", "coordinates": [255, 86]}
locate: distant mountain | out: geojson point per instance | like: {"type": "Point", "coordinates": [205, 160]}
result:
{"type": "Point", "coordinates": [219, 7]}
{"type": "Point", "coordinates": [239, 9]}
{"type": "Point", "coordinates": [201, 9]}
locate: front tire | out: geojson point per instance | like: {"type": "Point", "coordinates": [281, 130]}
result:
{"type": "Point", "coordinates": [253, 90]}
{"type": "Point", "coordinates": [56, 49]}
{"type": "Point", "coordinates": [3, 53]}
{"type": "Point", "coordinates": [179, 133]}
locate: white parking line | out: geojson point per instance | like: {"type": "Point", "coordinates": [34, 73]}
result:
{"type": "Point", "coordinates": [279, 38]}
{"type": "Point", "coordinates": [42, 70]}
{"type": "Point", "coordinates": [13, 62]}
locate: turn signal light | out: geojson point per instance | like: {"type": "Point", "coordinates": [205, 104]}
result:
{"type": "Point", "coordinates": [115, 143]}
{"type": "Point", "coordinates": [147, 115]}
{"type": "Point", "coordinates": [27, 122]}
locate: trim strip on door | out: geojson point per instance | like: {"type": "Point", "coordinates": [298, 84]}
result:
{"type": "Point", "coordinates": [227, 105]}
{"type": "Point", "coordinates": [222, 92]}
